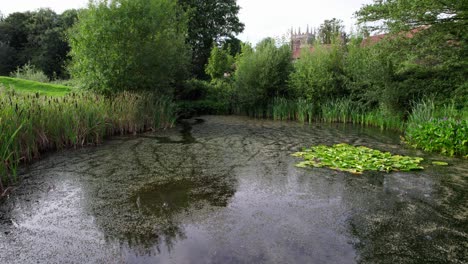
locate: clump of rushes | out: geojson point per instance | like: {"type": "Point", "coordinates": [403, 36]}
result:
{"type": "Point", "coordinates": [32, 123]}
{"type": "Point", "coordinates": [356, 160]}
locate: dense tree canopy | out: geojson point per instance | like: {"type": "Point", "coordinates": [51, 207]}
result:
{"type": "Point", "coordinates": [209, 21]}
{"type": "Point", "coordinates": [129, 45]}
{"type": "Point", "coordinates": [427, 46]}
{"type": "Point", "coordinates": [37, 37]}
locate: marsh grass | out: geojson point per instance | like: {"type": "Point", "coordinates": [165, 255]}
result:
{"type": "Point", "coordinates": [336, 111]}
{"type": "Point", "coordinates": [31, 124]}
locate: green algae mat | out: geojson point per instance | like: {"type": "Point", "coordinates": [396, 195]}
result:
{"type": "Point", "coordinates": [356, 160]}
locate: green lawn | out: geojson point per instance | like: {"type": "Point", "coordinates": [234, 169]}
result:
{"type": "Point", "coordinates": [34, 87]}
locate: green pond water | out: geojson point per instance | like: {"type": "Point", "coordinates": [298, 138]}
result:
{"type": "Point", "coordinates": [226, 190]}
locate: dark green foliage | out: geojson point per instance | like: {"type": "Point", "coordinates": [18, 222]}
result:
{"type": "Point", "coordinates": [262, 73]}
{"type": "Point", "coordinates": [210, 21]}
{"type": "Point", "coordinates": [129, 45]}
{"type": "Point", "coordinates": [37, 37]}
{"type": "Point", "coordinates": [193, 89]}
{"type": "Point", "coordinates": [425, 48]}
{"type": "Point", "coordinates": [202, 97]}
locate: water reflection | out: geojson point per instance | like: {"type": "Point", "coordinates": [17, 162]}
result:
{"type": "Point", "coordinates": [227, 191]}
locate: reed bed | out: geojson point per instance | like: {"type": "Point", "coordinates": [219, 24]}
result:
{"type": "Point", "coordinates": [31, 124]}
{"type": "Point", "coordinates": [337, 111]}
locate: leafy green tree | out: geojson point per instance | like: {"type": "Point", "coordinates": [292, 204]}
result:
{"type": "Point", "coordinates": [330, 30]}
{"type": "Point", "coordinates": [219, 63]}
{"type": "Point", "coordinates": [262, 73]}
{"type": "Point", "coordinates": [129, 45]}
{"type": "Point", "coordinates": [400, 15]}
{"type": "Point", "coordinates": [426, 46]}
{"type": "Point", "coordinates": [319, 75]}
{"type": "Point", "coordinates": [37, 37]}
{"type": "Point", "coordinates": [209, 21]}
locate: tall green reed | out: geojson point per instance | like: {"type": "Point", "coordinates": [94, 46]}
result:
{"type": "Point", "coordinates": [74, 120]}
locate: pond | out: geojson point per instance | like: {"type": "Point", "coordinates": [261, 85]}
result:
{"type": "Point", "coordinates": [224, 189]}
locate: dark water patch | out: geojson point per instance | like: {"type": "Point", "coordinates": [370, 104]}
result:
{"type": "Point", "coordinates": [186, 133]}
{"type": "Point", "coordinates": [176, 196]}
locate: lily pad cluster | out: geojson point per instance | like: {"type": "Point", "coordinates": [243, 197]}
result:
{"type": "Point", "coordinates": [356, 160]}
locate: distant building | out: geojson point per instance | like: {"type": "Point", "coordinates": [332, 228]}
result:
{"type": "Point", "coordinates": [301, 40]}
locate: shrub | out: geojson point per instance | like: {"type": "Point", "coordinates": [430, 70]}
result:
{"type": "Point", "coordinates": [30, 72]}
{"type": "Point", "coordinates": [262, 73]}
{"type": "Point", "coordinates": [318, 74]}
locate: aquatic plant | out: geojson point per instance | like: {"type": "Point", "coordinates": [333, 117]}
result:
{"type": "Point", "coordinates": [438, 129]}
{"type": "Point", "coordinates": [73, 120]}
{"type": "Point", "coordinates": [356, 160]}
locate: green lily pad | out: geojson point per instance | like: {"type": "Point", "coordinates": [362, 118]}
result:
{"type": "Point", "coordinates": [440, 163]}
{"type": "Point", "coordinates": [356, 160]}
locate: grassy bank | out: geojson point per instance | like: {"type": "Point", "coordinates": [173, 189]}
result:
{"type": "Point", "coordinates": [31, 124]}
{"type": "Point", "coordinates": [20, 85]}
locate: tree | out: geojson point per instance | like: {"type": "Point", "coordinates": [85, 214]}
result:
{"type": "Point", "coordinates": [35, 37]}
{"type": "Point", "coordinates": [330, 30]}
{"type": "Point", "coordinates": [129, 45]}
{"type": "Point", "coordinates": [262, 73]}
{"type": "Point", "coordinates": [209, 21]}
{"type": "Point", "coordinates": [401, 15]}
{"type": "Point", "coordinates": [318, 75]}
{"type": "Point", "coordinates": [426, 44]}
{"type": "Point", "coordinates": [219, 63]}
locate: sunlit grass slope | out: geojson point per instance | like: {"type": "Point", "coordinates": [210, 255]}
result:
{"type": "Point", "coordinates": [20, 85]}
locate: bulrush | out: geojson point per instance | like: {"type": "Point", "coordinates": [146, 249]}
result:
{"type": "Point", "coordinates": [30, 125]}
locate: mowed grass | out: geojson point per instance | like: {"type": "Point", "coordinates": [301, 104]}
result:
{"type": "Point", "coordinates": [21, 86]}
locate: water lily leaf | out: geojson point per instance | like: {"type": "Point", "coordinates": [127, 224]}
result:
{"type": "Point", "coordinates": [344, 157]}
{"type": "Point", "coordinates": [440, 163]}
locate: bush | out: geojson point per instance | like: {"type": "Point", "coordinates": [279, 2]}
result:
{"type": "Point", "coordinates": [30, 72]}
{"type": "Point", "coordinates": [262, 73]}
{"type": "Point", "coordinates": [318, 75]}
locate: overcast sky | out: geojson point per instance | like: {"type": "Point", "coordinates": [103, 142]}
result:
{"type": "Point", "coordinates": [262, 18]}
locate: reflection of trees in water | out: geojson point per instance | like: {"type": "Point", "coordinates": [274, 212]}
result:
{"type": "Point", "coordinates": [170, 201]}
{"type": "Point", "coordinates": [152, 216]}
{"type": "Point", "coordinates": [149, 189]}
